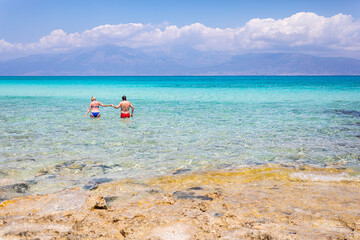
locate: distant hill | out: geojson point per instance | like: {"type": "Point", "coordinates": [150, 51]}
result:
{"type": "Point", "coordinates": [114, 60]}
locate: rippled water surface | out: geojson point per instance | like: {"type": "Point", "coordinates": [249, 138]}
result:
{"type": "Point", "coordinates": [186, 123]}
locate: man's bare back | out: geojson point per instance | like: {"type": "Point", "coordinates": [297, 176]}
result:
{"type": "Point", "coordinates": [125, 108]}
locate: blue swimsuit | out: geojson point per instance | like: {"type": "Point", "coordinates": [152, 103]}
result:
{"type": "Point", "coordinates": [95, 114]}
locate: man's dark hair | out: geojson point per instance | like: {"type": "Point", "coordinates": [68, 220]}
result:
{"type": "Point", "coordinates": [124, 97]}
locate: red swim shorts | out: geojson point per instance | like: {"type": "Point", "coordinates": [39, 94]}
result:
{"type": "Point", "coordinates": [125, 115]}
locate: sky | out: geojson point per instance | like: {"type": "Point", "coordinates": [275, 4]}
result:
{"type": "Point", "coordinates": [319, 27]}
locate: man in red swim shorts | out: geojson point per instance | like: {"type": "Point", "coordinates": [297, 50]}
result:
{"type": "Point", "coordinates": [125, 108]}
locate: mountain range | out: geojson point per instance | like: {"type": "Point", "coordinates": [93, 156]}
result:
{"type": "Point", "coordinates": [113, 60]}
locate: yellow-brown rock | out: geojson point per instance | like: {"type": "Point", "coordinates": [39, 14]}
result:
{"type": "Point", "coordinates": [268, 202]}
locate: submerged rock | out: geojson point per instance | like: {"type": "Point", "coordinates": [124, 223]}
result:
{"type": "Point", "coordinates": [94, 183]}
{"type": "Point", "coordinates": [348, 112]}
{"type": "Point", "coordinates": [180, 171]}
{"type": "Point", "coordinates": [42, 172]}
{"type": "Point", "coordinates": [18, 187]}
{"type": "Point", "coordinates": [183, 195]}
{"type": "Point", "coordinates": [77, 166]}
{"type": "Point", "coordinates": [110, 199]}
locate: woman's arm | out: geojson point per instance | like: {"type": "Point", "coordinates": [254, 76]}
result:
{"type": "Point", "coordinates": [105, 105]}
{"type": "Point", "coordinates": [88, 110]}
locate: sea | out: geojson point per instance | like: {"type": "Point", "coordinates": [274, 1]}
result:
{"type": "Point", "coordinates": [181, 124]}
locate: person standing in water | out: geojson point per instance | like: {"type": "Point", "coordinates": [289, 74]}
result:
{"type": "Point", "coordinates": [125, 108]}
{"type": "Point", "coordinates": [94, 108]}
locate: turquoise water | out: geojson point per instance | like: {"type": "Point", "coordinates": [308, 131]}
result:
{"type": "Point", "coordinates": [187, 123]}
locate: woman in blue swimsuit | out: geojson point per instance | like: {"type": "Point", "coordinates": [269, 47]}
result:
{"type": "Point", "coordinates": [94, 108]}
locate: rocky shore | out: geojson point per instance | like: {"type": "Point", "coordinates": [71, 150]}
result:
{"type": "Point", "coordinates": [265, 202]}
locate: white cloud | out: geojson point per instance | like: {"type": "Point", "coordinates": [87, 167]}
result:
{"type": "Point", "coordinates": [336, 34]}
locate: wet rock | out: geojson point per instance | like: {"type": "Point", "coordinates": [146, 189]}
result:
{"type": "Point", "coordinates": [42, 172]}
{"type": "Point", "coordinates": [32, 182]}
{"type": "Point", "coordinates": [77, 166]}
{"type": "Point", "coordinates": [102, 167]}
{"type": "Point", "coordinates": [195, 188]}
{"type": "Point", "coordinates": [105, 166]}
{"type": "Point", "coordinates": [96, 202]}
{"type": "Point", "coordinates": [190, 195]}
{"type": "Point", "coordinates": [94, 183]}
{"type": "Point", "coordinates": [68, 163]}
{"type": "Point", "coordinates": [57, 168]}
{"type": "Point", "coordinates": [153, 191]}
{"type": "Point", "coordinates": [180, 171]}
{"type": "Point", "coordinates": [206, 198]}
{"type": "Point", "coordinates": [110, 199]}
{"type": "Point", "coordinates": [25, 159]}
{"type": "Point", "coordinates": [288, 166]}
{"type": "Point", "coordinates": [183, 195]}
{"type": "Point", "coordinates": [61, 166]}
{"type": "Point", "coordinates": [224, 165]}
{"type": "Point", "coordinates": [90, 186]}
{"type": "Point", "coordinates": [18, 187]}
{"type": "Point", "coordinates": [115, 165]}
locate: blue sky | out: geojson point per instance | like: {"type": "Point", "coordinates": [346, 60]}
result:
{"type": "Point", "coordinates": [24, 22]}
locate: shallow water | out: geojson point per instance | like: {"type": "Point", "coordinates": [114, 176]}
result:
{"type": "Point", "coordinates": [188, 123]}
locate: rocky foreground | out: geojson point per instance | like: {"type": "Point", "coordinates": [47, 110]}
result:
{"type": "Point", "coordinates": [268, 202]}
